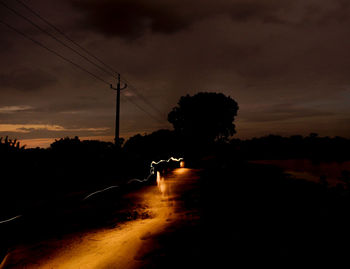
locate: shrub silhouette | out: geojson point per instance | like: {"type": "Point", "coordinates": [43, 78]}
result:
{"type": "Point", "coordinates": [9, 144]}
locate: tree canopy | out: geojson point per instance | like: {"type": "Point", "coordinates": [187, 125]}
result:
{"type": "Point", "coordinates": [205, 116]}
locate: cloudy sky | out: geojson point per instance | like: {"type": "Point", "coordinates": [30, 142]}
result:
{"type": "Point", "coordinates": [286, 63]}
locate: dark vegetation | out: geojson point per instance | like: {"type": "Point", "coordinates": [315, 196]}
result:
{"type": "Point", "coordinates": [249, 212]}
{"type": "Point", "coordinates": [277, 147]}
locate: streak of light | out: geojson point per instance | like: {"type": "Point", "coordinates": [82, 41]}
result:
{"type": "Point", "coordinates": [152, 169]}
{"type": "Point", "coordinates": [115, 186]}
{"type": "Point", "coordinates": [91, 194]}
{"type": "Point", "coordinates": [11, 219]}
{"type": "Point", "coordinates": [140, 180]}
{"type": "Point", "coordinates": [136, 179]}
{"type": "Point", "coordinates": [162, 185]}
{"type": "Point", "coordinates": [158, 177]}
{"type": "Point", "coordinates": [162, 161]}
{"type": "Point", "coordinates": [170, 159]}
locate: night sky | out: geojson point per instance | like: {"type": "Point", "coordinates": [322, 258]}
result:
{"type": "Point", "coordinates": [286, 63]}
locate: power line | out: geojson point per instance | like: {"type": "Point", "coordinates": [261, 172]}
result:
{"type": "Point", "coordinates": [144, 99]}
{"type": "Point", "coordinates": [54, 37]}
{"type": "Point", "coordinates": [137, 93]}
{"type": "Point", "coordinates": [54, 52]}
{"type": "Point", "coordinates": [66, 36]}
{"type": "Point", "coordinates": [75, 64]}
{"type": "Point", "coordinates": [141, 108]}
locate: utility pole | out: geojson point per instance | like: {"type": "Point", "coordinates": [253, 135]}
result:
{"type": "Point", "coordinates": [117, 114]}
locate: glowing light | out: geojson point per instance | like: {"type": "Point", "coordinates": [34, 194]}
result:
{"type": "Point", "coordinates": [11, 219]}
{"type": "Point", "coordinates": [158, 178]}
{"type": "Point", "coordinates": [182, 164]}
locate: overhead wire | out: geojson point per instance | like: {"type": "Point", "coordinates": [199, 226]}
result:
{"type": "Point", "coordinates": [133, 88]}
{"type": "Point", "coordinates": [144, 99]}
{"type": "Point", "coordinates": [111, 70]}
{"type": "Point", "coordinates": [54, 37]}
{"type": "Point", "coordinates": [54, 52]}
{"type": "Point", "coordinates": [142, 109]}
{"type": "Point", "coordinates": [66, 36]}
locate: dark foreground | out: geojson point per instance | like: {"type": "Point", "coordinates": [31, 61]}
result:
{"type": "Point", "coordinates": [233, 214]}
{"type": "Point", "coordinates": [255, 215]}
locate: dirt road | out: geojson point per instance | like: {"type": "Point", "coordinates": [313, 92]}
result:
{"type": "Point", "coordinates": [126, 246]}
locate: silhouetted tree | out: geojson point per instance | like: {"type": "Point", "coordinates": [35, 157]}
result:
{"type": "Point", "coordinates": [204, 117]}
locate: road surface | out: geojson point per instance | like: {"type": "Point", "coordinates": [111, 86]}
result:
{"type": "Point", "coordinates": [126, 246]}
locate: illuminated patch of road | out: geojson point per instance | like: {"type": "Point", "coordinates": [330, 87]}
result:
{"type": "Point", "coordinates": [118, 247]}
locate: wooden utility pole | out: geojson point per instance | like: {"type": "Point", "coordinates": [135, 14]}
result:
{"type": "Point", "coordinates": [117, 114]}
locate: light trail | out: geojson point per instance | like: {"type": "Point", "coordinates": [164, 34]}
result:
{"type": "Point", "coordinates": [152, 169]}
{"type": "Point", "coordinates": [11, 219]}
{"type": "Point", "coordinates": [136, 179]}
{"type": "Point", "coordinates": [170, 159]}
{"type": "Point", "coordinates": [162, 161]}
{"type": "Point", "coordinates": [91, 194]}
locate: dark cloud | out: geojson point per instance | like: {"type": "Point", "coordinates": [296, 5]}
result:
{"type": "Point", "coordinates": [132, 18]}
{"type": "Point", "coordinates": [127, 18]}
{"type": "Point", "coordinates": [26, 80]}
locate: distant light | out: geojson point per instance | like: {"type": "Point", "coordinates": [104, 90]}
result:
{"type": "Point", "coordinates": [182, 164]}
